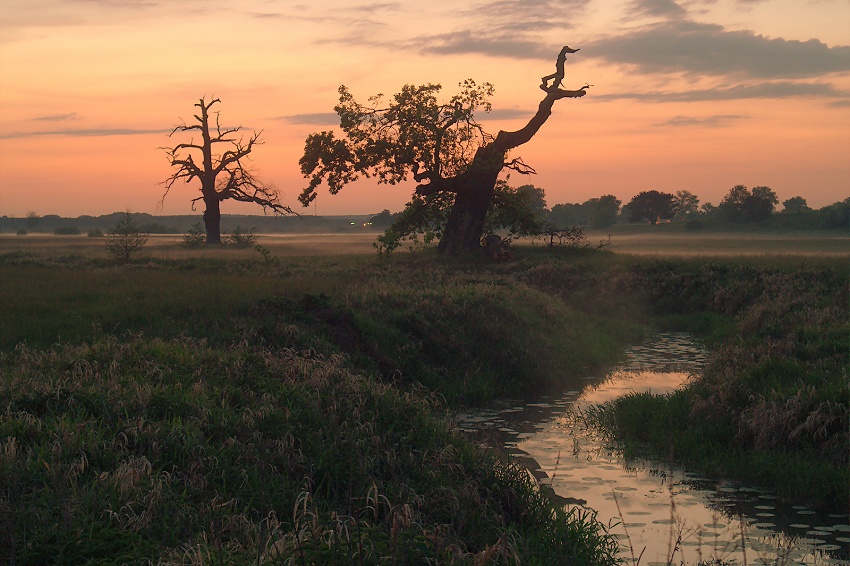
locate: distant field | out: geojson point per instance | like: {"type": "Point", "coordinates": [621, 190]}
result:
{"type": "Point", "coordinates": [295, 245]}
{"type": "Point", "coordinates": [731, 244]}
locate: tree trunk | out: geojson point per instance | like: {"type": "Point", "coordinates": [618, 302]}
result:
{"type": "Point", "coordinates": [475, 189]}
{"type": "Point", "coordinates": [212, 221]}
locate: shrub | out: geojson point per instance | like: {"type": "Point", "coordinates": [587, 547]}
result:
{"type": "Point", "coordinates": [125, 240]}
{"type": "Point", "coordinates": [95, 233]}
{"type": "Point", "coordinates": [241, 238]}
{"type": "Point", "coordinates": [196, 236]}
{"type": "Point", "coordinates": [22, 232]}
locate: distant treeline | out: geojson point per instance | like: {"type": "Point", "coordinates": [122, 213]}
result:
{"type": "Point", "coordinates": [51, 223]}
{"type": "Point", "coordinates": [740, 208]}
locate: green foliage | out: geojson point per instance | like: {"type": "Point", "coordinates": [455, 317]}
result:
{"type": "Point", "coordinates": [411, 134]}
{"type": "Point", "coordinates": [125, 242]}
{"type": "Point", "coordinates": [95, 233]}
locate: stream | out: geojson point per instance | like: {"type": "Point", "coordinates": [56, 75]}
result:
{"type": "Point", "coordinates": [660, 514]}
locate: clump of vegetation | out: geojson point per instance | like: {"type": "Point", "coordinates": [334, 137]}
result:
{"type": "Point", "coordinates": [95, 233]}
{"type": "Point", "coordinates": [241, 237]}
{"type": "Point", "coordinates": [125, 242]}
{"type": "Point", "coordinates": [196, 236]}
{"type": "Point", "coordinates": [22, 232]}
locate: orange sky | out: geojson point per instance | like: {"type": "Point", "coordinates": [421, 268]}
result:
{"type": "Point", "coordinates": [698, 95]}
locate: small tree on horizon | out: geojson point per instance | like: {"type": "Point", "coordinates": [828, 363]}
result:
{"type": "Point", "coordinates": [126, 241]}
{"type": "Point", "coordinates": [223, 174]}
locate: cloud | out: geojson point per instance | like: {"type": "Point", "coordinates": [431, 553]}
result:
{"type": "Point", "coordinates": [506, 114]}
{"type": "Point", "coordinates": [314, 119]}
{"type": "Point", "coordinates": [777, 89]}
{"type": "Point", "coordinates": [83, 133]}
{"type": "Point", "coordinates": [656, 8]}
{"type": "Point", "coordinates": [694, 48]}
{"type": "Point", "coordinates": [466, 42]}
{"type": "Point", "coordinates": [57, 117]}
{"type": "Point", "coordinates": [720, 120]}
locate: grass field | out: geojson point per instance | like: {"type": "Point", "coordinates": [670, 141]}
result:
{"type": "Point", "coordinates": [636, 240]}
{"type": "Point", "coordinates": [212, 406]}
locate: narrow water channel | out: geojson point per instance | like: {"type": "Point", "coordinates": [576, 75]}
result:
{"type": "Point", "coordinates": [660, 514]}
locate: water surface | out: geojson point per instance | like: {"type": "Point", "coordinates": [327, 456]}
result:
{"type": "Point", "coordinates": [661, 514]}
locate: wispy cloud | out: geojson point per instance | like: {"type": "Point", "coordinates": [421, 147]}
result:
{"type": "Point", "coordinates": [314, 119]}
{"type": "Point", "coordinates": [693, 48]}
{"type": "Point", "coordinates": [717, 121]}
{"type": "Point", "coordinates": [82, 133]}
{"type": "Point", "coordinates": [467, 41]}
{"type": "Point", "coordinates": [777, 89]}
{"type": "Point", "coordinates": [57, 117]}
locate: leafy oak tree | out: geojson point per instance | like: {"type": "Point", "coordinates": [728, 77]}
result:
{"type": "Point", "coordinates": [652, 206]}
{"type": "Point", "coordinates": [219, 161]}
{"type": "Point", "coordinates": [454, 162]}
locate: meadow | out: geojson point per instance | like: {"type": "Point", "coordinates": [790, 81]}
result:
{"type": "Point", "coordinates": [228, 406]}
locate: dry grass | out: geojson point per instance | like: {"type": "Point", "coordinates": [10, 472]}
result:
{"type": "Point", "coordinates": [170, 246]}
{"type": "Point", "coordinates": [818, 244]}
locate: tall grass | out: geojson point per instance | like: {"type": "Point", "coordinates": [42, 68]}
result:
{"type": "Point", "coordinates": [138, 449]}
{"type": "Point", "coordinates": [772, 405]}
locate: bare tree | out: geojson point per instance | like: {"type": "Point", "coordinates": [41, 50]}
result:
{"type": "Point", "coordinates": [441, 145]}
{"type": "Point", "coordinates": [223, 175]}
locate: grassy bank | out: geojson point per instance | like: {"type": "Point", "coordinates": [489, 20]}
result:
{"type": "Point", "coordinates": [772, 406]}
{"type": "Point", "coordinates": [239, 410]}
{"type": "Point", "coordinates": [233, 412]}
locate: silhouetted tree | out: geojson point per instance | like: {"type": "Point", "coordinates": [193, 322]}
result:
{"type": "Point", "coordinates": [567, 214]}
{"type": "Point", "coordinates": [741, 205]}
{"type": "Point", "coordinates": [382, 219]}
{"type": "Point", "coordinates": [126, 240]}
{"type": "Point", "coordinates": [441, 145]}
{"type": "Point", "coordinates": [603, 211]}
{"type": "Point", "coordinates": [535, 198]}
{"type": "Point", "coordinates": [652, 206]}
{"type": "Point", "coordinates": [223, 174]}
{"type": "Point", "coordinates": [795, 204]}
{"type": "Point", "coordinates": [686, 204]}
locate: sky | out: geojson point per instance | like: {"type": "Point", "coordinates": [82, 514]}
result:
{"type": "Point", "coordinates": [696, 95]}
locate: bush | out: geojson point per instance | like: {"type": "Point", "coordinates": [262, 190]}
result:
{"type": "Point", "coordinates": [196, 236]}
{"type": "Point", "coordinates": [22, 232]}
{"type": "Point", "coordinates": [125, 240]}
{"type": "Point", "coordinates": [66, 231]}
{"type": "Point", "coordinates": [95, 233]}
{"type": "Point", "coordinates": [241, 238]}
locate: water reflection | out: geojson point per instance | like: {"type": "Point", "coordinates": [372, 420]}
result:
{"type": "Point", "coordinates": [661, 515]}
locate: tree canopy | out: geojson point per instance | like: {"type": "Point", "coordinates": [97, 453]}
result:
{"type": "Point", "coordinates": [439, 144]}
{"type": "Point", "coordinates": [653, 206]}
{"type": "Point", "coordinates": [742, 205]}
